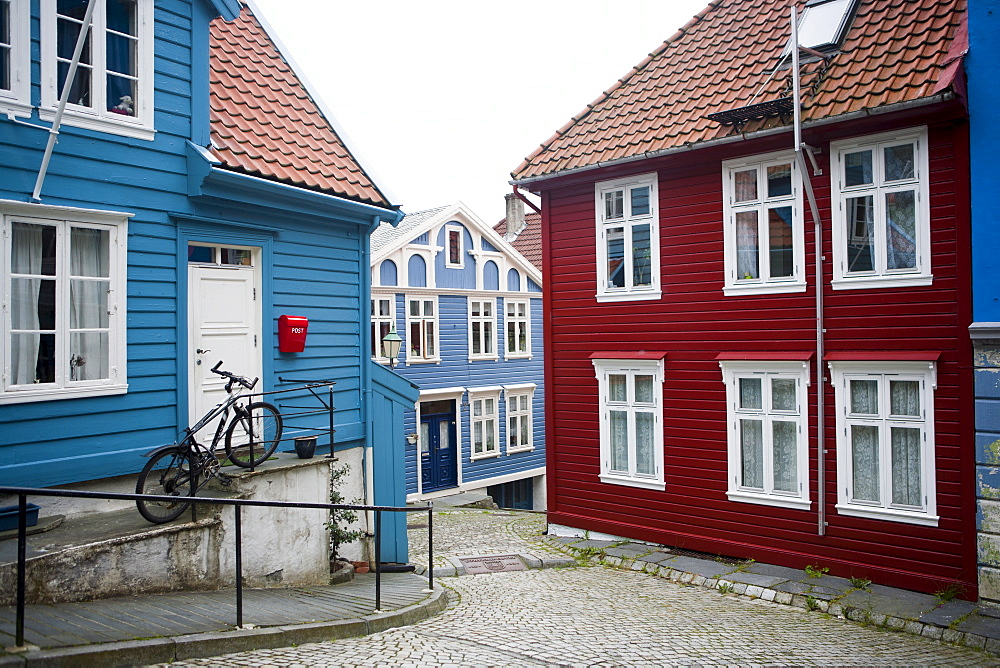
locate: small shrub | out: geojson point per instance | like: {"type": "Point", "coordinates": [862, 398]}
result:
{"type": "Point", "coordinates": [860, 583]}
{"type": "Point", "coordinates": [815, 571]}
{"type": "Point", "coordinates": [341, 519]}
{"type": "Point", "coordinates": [725, 588]}
{"type": "Point", "coordinates": [949, 592]}
{"type": "Point", "coordinates": [812, 603]}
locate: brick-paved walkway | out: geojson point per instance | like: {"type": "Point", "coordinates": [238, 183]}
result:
{"type": "Point", "coordinates": [599, 616]}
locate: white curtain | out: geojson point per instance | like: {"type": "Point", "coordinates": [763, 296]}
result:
{"type": "Point", "coordinates": [88, 307]}
{"type": "Point", "coordinates": [864, 453]}
{"type": "Point", "coordinates": [619, 441]}
{"type": "Point", "coordinates": [783, 435]}
{"type": "Point", "coordinates": [752, 453]}
{"type": "Point", "coordinates": [644, 443]}
{"type": "Point", "coordinates": [904, 399]}
{"type": "Point", "coordinates": [26, 258]}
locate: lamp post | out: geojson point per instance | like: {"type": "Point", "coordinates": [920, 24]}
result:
{"type": "Point", "coordinates": [390, 346]}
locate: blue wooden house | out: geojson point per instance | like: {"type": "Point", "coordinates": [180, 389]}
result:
{"type": "Point", "coordinates": [198, 191]}
{"type": "Point", "coordinates": [468, 307]}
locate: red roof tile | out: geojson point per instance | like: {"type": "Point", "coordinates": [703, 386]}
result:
{"type": "Point", "coordinates": [265, 123]}
{"type": "Point", "coordinates": [529, 241]}
{"type": "Point", "coordinates": [894, 51]}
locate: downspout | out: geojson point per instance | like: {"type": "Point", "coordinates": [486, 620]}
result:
{"type": "Point", "coordinates": [520, 196]}
{"type": "Point", "coordinates": [63, 98]}
{"type": "Point", "coordinates": [367, 472]}
{"type": "Point", "coordinates": [818, 233]}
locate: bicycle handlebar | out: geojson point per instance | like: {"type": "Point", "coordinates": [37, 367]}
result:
{"type": "Point", "coordinates": [233, 378]}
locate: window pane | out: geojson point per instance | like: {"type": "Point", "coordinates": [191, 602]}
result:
{"type": "Point", "coordinates": [904, 397]}
{"type": "Point", "coordinates": [641, 252]}
{"type": "Point", "coordinates": [512, 432]}
{"type": "Point", "coordinates": [477, 347]}
{"type": "Point", "coordinates": [616, 257]}
{"type": "Point", "coordinates": [490, 435]}
{"type": "Point", "coordinates": [383, 307]}
{"type": "Point", "coordinates": [644, 389]}
{"type": "Point", "coordinates": [414, 308]}
{"type": "Point", "coordinates": [640, 201]}
{"type": "Point", "coordinates": [415, 343]}
{"type": "Point", "coordinates": [477, 437]}
{"type": "Point", "coordinates": [477, 408]}
{"type": "Point", "coordinates": [512, 337]}
{"type": "Point", "coordinates": [752, 453]}
{"type": "Point", "coordinates": [619, 441]}
{"type": "Point", "coordinates": [779, 180]}
{"type": "Point", "coordinates": [784, 437]}
{"type": "Point", "coordinates": [614, 205]}
{"type": "Point", "coordinates": [521, 310]}
{"type": "Point", "coordinates": [201, 254]}
{"type": "Point", "coordinates": [864, 397]}
{"type": "Point", "coordinates": [236, 256]}
{"type": "Point", "coordinates": [899, 162]}
{"type": "Point", "coordinates": [488, 309]}
{"type": "Point", "coordinates": [864, 462]}
{"type": "Point", "coordinates": [783, 394]}
{"type": "Point", "coordinates": [490, 407]}
{"type": "Point", "coordinates": [88, 304]}
{"type": "Point", "coordinates": [444, 435]}
{"type": "Point", "coordinates": [617, 390]}
{"type": "Point", "coordinates": [487, 338]}
{"type": "Point", "coordinates": [779, 226]}
{"type": "Point", "coordinates": [429, 344]}
{"type": "Point", "coordinates": [33, 358]}
{"type": "Point", "coordinates": [644, 444]}
{"type": "Point", "coordinates": [746, 185]}
{"type": "Point", "coordinates": [33, 249]}
{"type": "Point", "coordinates": [454, 247]}
{"type": "Point", "coordinates": [89, 251]}
{"type": "Point", "coordinates": [88, 356]}
{"type": "Point", "coordinates": [429, 308]}
{"type": "Point", "coordinates": [858, 168]}
{"type": "Point", "coordinates": [5, 44]}
{"type": "Point", "coordinates": [522, 338]}
{"type": "Point", "coordinates": [750, 394]}
{"type": "Point", "coordinates": [901, 230]}
{"type": "Point", "coordinates": [747, 246]}
{"type": "Point", "coordinates": [860, 234]}
{"type": "Point", "coordinates": [475, 308]}
{"type": "Point", "coordinates": [906, 466]}
{"type": "Point", "coordinates": [524, 429]}
{"type": "Point", "coordinates": [33, 304]}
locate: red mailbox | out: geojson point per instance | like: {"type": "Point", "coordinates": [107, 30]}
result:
{"type": "Point", "coordinates": [292, 333]}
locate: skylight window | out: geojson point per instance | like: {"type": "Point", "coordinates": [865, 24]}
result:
{"type": "Point", "coordinates": [823, 22]}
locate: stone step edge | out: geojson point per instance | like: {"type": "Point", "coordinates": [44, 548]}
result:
{"type": "Point", "coordinates": [530, 561]}
{"type": "Point", "coordinates": [913, 627]}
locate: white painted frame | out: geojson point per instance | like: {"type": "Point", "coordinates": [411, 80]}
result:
{"type": "Point", "coordinates": [16, 100]}
{"type": "Point", "coordinates": [603, 369]}
{"type": "Point", "coordinates": [63, 219]}
{"type": "Point", "coordinates": [477, 395]}
{"type": "Point", "coordinates": [764, 284]}
{"type": "Point", "coordinates": [377, 319]}
{"type": "Point", "coordinates": [732, 372]}
{"type": "Point", "coordinates": [519, 322]}
{"type": "Point", "coordinates": [881, 277]}
{"type": "Point", "coordinates": [483, 321]}
{"type": "Point", "coordinates": [139, 126]}
{"type": "Point", "coordinates": [525, 392]}
{"type": "Point", "coordinates": [603, 224]}
{"type": "Point", "coordinates": [422, 318]}
{"type": "Point", "coordinates": [882, 371]}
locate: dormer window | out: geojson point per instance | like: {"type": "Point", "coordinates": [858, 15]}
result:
{"type": "Point", "coordinates": [823, 23]}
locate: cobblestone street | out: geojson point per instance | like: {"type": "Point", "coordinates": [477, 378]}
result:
{"type": "Point", "coordinates": [599, 616]}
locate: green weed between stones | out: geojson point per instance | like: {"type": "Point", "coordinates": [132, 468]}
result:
{"type": "Point", "coordinates": [860, 583]}
{"type": "Point", "coordinates": [815, 571]}
{"type": "Point", "coordinates": [949, 592]}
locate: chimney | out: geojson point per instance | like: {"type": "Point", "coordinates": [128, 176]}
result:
{"type": "Point", "coordinates": [515, 216]}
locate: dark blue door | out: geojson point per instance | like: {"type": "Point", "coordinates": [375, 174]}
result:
{"type": "Point", "coordinates": [438, 459]}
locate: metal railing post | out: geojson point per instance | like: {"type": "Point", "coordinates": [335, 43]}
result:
{"type": "Point", "coordinates": [239, 567]}
{"type": "Point", "coordinates": [22, 553]}
{"type": "Point", "coordinates": [378, 560]}
{"type": "Point", "coordinates": [330, 456]}
{"type": "Point", "coordinates": [430, 545]}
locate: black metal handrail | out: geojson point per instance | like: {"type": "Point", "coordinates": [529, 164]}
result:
{"type": "Point", "coordinates": [22, 536]}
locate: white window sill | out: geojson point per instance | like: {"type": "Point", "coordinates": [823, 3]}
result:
{"type": "Point", "coordinates": [517, 356]}
{"type": "Point", "coordinates": [54, 394]}
{"type": "Point", "coordinates": [484, 358]}
{"type": "Point", "coordinates": [633, 482]}
{"type": "Point", "coordinates": [454, 266]}
{"type": "Point", "coordinates": [769, 500]}
{"type": "Point", "coordinates": [888, 514]}
{"type": "Point", "coordinates": [890, 281]}
{"type": "Point", "coordinates": [763, 288]}
{"type": "Point", "coordinates": [15, 108]}
{"type": "Point", "coordinates": [135, 129]}
{"type": "Point", "coordinates": [436, 360]}
{"type": "Point", "coordinates": [633, 296]}
{"type": "Point", "coordinates": [485, 455]}
{"type": "Point", "coordinates": [514, 451]}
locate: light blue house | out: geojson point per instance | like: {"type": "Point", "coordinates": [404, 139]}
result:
{"type": "Point", "coordinates": [197, 192]}
{"type": "Point", "coordinates": [468, 307]}
{"type": "Point", "coordinates": [982, 71]}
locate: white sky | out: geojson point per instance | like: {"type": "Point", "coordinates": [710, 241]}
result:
{"type": "Point", "coordinates": [444, 98]}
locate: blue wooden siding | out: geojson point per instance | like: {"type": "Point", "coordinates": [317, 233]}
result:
{"type": "Point", "coordinates": [491, 276]}
{"type": "Point", "coordinates": [422, 240]}
{"type": "Point", "coordinates": [416, 272]}
{"type": "Point", "coordinates": [513, 280]}
{"type": "Point", "coordinates": [453, 278]}
{"type": "Point", "coordinates": [387, 273]}
{"type": "Point", "coordinates": [534, 287]}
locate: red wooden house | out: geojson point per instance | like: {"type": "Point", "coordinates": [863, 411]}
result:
{"type": "Point", "coordinates": [701, 393]}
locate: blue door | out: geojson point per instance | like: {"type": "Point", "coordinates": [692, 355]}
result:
{"type": "Point", "coordinates": [438, 458]}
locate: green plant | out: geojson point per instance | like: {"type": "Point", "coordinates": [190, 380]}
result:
{"type": "Point", "coordinates": [949, 592]}
{"type": "Point", "coordinates": [725, 587]}
{"type": "Point", "coordinates": [744, 565]}
{"type": "Point", "coordinates": [815, 571]}
{"type": "Point", "coordinates": [812, 603]}
{"type": "Point", "coordinates": [860, 583]}
{"type": "Point", "coordinates": [341, 519]}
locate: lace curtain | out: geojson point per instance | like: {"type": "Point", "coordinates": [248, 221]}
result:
{"type": "Point", "coordinates": [903, 442]}
{"type": "Point", "coordinates": [26, 258]}
{"type": "Point", "coordinates": [88, 307]}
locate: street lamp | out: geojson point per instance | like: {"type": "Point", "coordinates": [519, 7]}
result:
{"type": "Point", "coordinates": [390, 346]}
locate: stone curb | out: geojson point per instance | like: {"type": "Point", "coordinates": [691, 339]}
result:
{"type": "Point", "coordinates": [888, 622]}
{"type": "Point", "coordinates": [531, 562]}
{"type": "Point", "coordinates": [202, 645]}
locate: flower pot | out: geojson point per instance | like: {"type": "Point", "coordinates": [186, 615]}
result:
{"type": "Point", "coordinates": [8, 517]}
{"type": "Point", "coordinates": [305, 447]}
{"type": "Point", "coordinates": [360, 566]}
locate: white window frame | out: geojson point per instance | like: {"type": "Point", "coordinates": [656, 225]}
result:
{"type": "Point", "coordinates": [883, 371]}
{"type": "Point", "coordinates": [489, 422]}
{"type": "Point", "coordinates": [880, 276]}
{"type": "Point", "coordinates": [485, 322]}
{"type": "Point", "coordinates": [525, 397]}
{"type": "Point", "coordinates": [764, 283]}
{"type": "Point", "coordinates": [423, 320]}
{"type": "Point", "coordinates": [448, 229]}
{"type": "Point", "coordinates": [630, 368]}
{"type": "Point", "coordinates": [732, 372]}
{"type": "Point", "coordinates": [604, 224]}
{"type": "Point", "coordinates": [378, 319]}
{"type": "Point", "coordinates": [520, 323]}
{"type": "Point", "coordinates": [139, 126]}
{"type": "Point", "coordinates": [16, 100]}
{"type": "Point", "coordinates": [64, 219]}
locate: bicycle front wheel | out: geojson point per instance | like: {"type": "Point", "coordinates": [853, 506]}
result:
{"type": "Point", "coordinates": [168, 473]}
{"type": "Point", "coordinates": [253, 435]}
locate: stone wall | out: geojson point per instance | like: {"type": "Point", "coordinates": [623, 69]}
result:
{"type": "Point", "coordinates": [987, 393]}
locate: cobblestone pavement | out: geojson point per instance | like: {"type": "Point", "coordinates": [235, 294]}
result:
{"type": "Point", "coordinates": [598, 616]}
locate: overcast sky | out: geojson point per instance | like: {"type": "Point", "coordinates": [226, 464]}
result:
{"type": "Point", "coordinates": [444, 98]}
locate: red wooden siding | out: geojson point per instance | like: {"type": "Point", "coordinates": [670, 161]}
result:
{"type": "Point", "coordinates": [693, 322]}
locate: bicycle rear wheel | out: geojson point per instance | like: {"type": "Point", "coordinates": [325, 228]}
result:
{"type": "Point", "coordinates": [169, 472]}
{"type": "Point", "coordinates": [252, 436]}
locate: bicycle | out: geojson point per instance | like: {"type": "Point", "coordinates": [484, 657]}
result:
{"type": "Point", "coordinates": [174, 470]}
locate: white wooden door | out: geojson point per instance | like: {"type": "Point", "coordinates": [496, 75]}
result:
{"type": "Point", "coordinates": [224, 324]}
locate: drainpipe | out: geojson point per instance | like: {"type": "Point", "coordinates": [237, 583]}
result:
{"type": "Point", "coordinates": [818, 232]}
{"type": "Point", "coordinates": [520, 196]}
{"type": "Point", "coordinates": [63, 98]}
